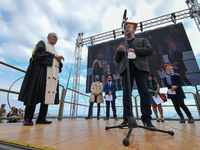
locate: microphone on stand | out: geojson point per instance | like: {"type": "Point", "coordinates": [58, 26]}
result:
{"type": "Point", "coordinates": [123, 22]}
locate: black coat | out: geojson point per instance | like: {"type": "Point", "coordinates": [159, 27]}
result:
{"type": "Point", "coordinates": [34, 85]}
{"type": "Point", "coordinates": [176, 80]}
{"type": "Point", "coordinates": [113, 68]}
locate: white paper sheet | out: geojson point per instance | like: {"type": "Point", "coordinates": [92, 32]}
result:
{"type": "Point", "coordinates": [170, 92]}
{"type": "Point", "coordinates": [157, 99]}
{"type": "Point", "coordinates": [109, 98]}
{"type": "Point", "coordinates": [131, 55]}
{"type": "Point", "coordinates": [162, 73]}
{"type": "Point", "coordinates": [115, 77]}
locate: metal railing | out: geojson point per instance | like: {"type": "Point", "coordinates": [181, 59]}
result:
{"type": "Point", "coordinates": [62, 101]}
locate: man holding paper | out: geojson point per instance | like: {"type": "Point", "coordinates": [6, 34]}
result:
{"type": "Point", "coordinates": [110, 88]}
{"type": "Point", "coordinates": [138, 49]}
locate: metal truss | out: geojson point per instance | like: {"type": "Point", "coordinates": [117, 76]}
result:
{"type": "Point", "coordinates": [76, 76]}
{"type": "Point", "coordinates": [173, 17]}
{"type": "Point", "coordinates": [194, 11]}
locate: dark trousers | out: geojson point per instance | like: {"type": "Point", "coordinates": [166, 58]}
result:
{"type": "Point", "coordinates": [118, 84]}
{"type": "Point", "coordinates": [90, 109]}
{"type": "Point", "coordinates": [108, 108]}
{"type": "Point", "coordinates": [179, 103]}
{"type": "Point", "coordinates": [141, 81]}
{"type": "Point", "coordinates": [29, 112]}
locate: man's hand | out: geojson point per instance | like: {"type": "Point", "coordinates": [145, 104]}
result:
{"type": "Point", "coordinates": [121, 48]}
{"type": "Point", "coordinates": [59, 58]}
{"type": "Point", "coordinates": [176, 63]}
{"type": "Point", "coordinates": [131, 50]}
{"type": "Point", "coordinates": [160, 67]}
{"type": "Point", "coordinates": [110, 93]}
{"type": "Point", "coordinates": [96, 94]}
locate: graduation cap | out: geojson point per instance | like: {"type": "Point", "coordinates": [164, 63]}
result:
{"type": "Point", "coordinates": [132, 24]}
{"type": "Point", "coordinates": [171, 43]}
{"type": "Point", "coordinates": [170, 65]}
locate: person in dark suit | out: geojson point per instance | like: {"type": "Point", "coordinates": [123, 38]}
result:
{"type": "Point", "coordinates": [110, 88]}
{"type": "Point", "coordinates": [173, 82]}
{"type": "Point", "coordinates": [139, 69]}
{"type": "Point", "coordinates": [176, 58]}
{"type": "Point", "coordinates": [114, 71]}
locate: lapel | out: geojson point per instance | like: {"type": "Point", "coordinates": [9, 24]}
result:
{"type": "Point", "coordinates": [134, 41]}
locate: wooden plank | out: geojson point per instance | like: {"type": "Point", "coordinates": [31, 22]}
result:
{"type": "Point", "coordinates": [91, 134]}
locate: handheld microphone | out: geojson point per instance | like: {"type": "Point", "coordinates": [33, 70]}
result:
{"type": "Point", "coordinates": [123, 22]}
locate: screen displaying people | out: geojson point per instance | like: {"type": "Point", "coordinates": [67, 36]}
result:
{"type": "Point", "coordinates": [170, 45]}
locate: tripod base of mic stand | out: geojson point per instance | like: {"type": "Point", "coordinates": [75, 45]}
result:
{"type": "Point", "coordinates": [133, 124]}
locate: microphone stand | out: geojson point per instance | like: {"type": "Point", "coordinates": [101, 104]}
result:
{"type": "Point", "coordinates": [131, 120]}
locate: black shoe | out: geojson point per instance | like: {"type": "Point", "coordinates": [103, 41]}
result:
{"type": "Point", "coordinates": [98, 118]}
{"type": "Point", "coordinates": [149, 124]}
{"type": "Point", "coordinates": [28, 122]}
{"type": "Point", "coordinates": [191, 120]}
{"type": "Point", "coordinates": [124, 123]}
{"type": "Point", "coordinates": [87, 118]}
{"type": "Point", "coordinates": [182, 120]}
{"type": "Point", "coordinates": [43, 122]}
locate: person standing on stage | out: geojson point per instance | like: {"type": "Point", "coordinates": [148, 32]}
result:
{"type": "Point", "coordinates": [110, 88]}
{"type": "Point", "coordinates": [2, 112]}
{"type": "Point", "coordinates": [40, 83]}
{"type": "Point", "coordinates": [96, 96]}
{"type": "Point", "coordinates": [154, 88]}
{"type": "Point", "coordinates": [139, 48]}
{"type": "Point", "coordinates": [173, 82]}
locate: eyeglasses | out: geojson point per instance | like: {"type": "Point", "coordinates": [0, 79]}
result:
{"type": "Point", "coordinates": [128, 26]}
{"type": "Point", "coordinates": [55, 36]}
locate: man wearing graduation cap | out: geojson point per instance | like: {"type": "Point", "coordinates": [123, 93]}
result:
{"type": "Point", "coordinates": [96, 96]}
{"type": "Point", "coordinates": [138, 49]}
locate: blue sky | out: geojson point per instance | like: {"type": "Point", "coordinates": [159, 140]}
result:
{"type": "Point", "coordinates": [23, 23]}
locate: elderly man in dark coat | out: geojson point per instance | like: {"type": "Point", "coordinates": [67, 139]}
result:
{"type": "Point", "coordinates": [40, 83]}
{"type": "Point", "coordinates": [138, 49]}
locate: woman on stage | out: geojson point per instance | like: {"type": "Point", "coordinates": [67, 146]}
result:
{"type": "Point", "coordinates": [175, 93]}
{"type": "Point", "coordinates": [154, 91]}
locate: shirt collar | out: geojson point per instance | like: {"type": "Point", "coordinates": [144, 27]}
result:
{"type": "Point", "coordinates": [131, 38]}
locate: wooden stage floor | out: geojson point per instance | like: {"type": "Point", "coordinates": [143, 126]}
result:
{"type": "Point", "coordinates": [91, 135]}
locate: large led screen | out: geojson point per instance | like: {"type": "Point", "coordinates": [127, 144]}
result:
{"type": "Point", "coordinates": [170, 46]}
